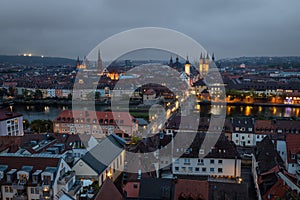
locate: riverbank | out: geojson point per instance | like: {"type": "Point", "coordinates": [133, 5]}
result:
{"type": "Point", "coordinates": [251, 104]}
{"type": "Point", "coordinates": [64, 102]}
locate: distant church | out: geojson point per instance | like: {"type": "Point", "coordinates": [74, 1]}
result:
{"type": "Point", "coordinates": [85, 63]}
{"type": "Point", "coordinates": [186, 68]}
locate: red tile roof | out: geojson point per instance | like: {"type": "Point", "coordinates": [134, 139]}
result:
{"type": "Point", "coordinates": [132, 189]}
{"type": "Point", "coordinates": [5, 114]}
{"type": "Point", "coordinates": [108, 191]}
{"type": "Point", "coordinates": [292, 146]}
{"type": "Point", "coordinates": [277, 191]}
{"type": "Point", "coordinates": [150, 92]}
{"type": "Point", "coordinates": [69, 116]}
{"type": "Point", "coordinates": [191, 188]}
{"type": "Point", "coordinates": [38, 163]}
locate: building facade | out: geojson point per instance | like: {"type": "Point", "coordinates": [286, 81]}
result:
{"type": "Point", "coordinates": [11, 124]}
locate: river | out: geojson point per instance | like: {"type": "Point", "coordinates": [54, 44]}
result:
{"type": "Point", "coordinates": [32, 112]}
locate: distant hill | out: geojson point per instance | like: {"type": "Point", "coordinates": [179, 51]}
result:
{"type": "Point", "coordinates": [288, 61]}
{"type": "Point", "coordinates": [36, 61]}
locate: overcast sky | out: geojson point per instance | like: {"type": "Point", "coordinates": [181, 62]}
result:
{"type": "Point", "coordinates": [230, 28]}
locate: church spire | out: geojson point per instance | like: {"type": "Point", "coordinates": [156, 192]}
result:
{"type": "Point", "coordinates": [100, 63]}
{"type": "Point", "coordinates": [171, 62]}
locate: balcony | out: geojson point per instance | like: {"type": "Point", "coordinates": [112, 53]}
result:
{"type": "Point", "coordinates": [66, 177]}
{"type": "Point", "coordinates": [75, 188]}
{"type": "Point", "coordinates": [19, 185]}
{"type": "Point", "coordinates": [298, 172]}
{"type": "Point", "coordinates": [20, 197]}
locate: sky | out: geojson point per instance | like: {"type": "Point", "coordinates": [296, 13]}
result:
{"type": "Point", "coordinates": [229, 28]}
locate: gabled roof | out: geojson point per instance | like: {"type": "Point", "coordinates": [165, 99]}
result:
{"type": "Point", "coordinates": [277, 191]}
{"type": "Point", "coordinates": [292, 147]}
{"type": "Point", "coordinates": [5, 114]}
{"type": "Point", "coordinates": [104, 153]}
{"type": "Point", "coordinates": [266, 156]}
{"type": "Point", "coordinates": [108, 191]}
{"type": "Point", "coordinates": [223, 148]}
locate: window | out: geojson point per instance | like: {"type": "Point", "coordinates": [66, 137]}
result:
{"type": "Point", "coordinates": [187, 161]}
{"type": "Point", "coordinates": [7, 189]}
{"type": "Point", "coordinates": [201, 151]}
{"type": "Point", "coordinates": [197, 169]}
{"type": "Point", "coordinates": [176, 169]}
{"type": "Point", "coordinates": [200, 162]}
{"type": "Point", "coordinates": [183, 169]}
{"type": "Point", "coordinates": [243, 137]}
{"type": "Point", "coordinates": [220, 161]}
{"type": "Point", "coordinates": [220, 170]}
{"type": "Point", "coordinates": [212, 161]}
{"type": "Point", "coordinates": [32, 190]}
{"type": "Point", "coordinates": [190, 169]}
{"type": "Point", "coordinates": [293, 156]}
{"type": "Point", "coordinates": [204, 169]}
{"type": "Point", "coordinates": [212, 169]}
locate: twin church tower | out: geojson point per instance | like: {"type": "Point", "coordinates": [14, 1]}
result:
{"type": "Point", "coordinates": [204, 63]}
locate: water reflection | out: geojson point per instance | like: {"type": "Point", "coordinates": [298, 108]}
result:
{"type": "Point", "coordinates": [50, 112]}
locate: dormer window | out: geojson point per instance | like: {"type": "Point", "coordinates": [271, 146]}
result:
{"type": "Point", "coordinates": [293, 156]}
{"type": "Point", "coordinates": [201, 151]}
{"type": "Point", "coordinates": [22, 178]}
{"type": "Point", "coordinates": [47, 180]}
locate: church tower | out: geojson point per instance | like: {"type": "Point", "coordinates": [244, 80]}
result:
{"type": "Point", "coordinates": [81, 65]}
{"type": "Point", "coordinates": [171, 62]}
{"type": "Point", "coordinates": [206, 65]}
{"type": "Point", "coordinates": [201, 66]}
{"type": "Point", "coordinates": [99, 61]}
{"type": "Point", "coordinates": [187, 67]}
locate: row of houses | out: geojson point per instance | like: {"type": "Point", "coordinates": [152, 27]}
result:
{"type": "Point", "coordinates": [275, 168]}
{"type": "Point", "coordinates": [56, 166]}
{"type": "Point", "coordinates": [243, 131]}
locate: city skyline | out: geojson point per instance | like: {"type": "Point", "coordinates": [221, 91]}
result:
{"type": "Point", "coordinates": [231, 29]}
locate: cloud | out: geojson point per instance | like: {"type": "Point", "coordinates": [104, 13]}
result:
{"type": "Point", "coordinates": [73, 27]}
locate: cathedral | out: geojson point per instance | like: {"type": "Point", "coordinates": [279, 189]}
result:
{"type": "Point", "coordinates": [85, 63]}
{"type": "Point", "coordinates": [192, 75]}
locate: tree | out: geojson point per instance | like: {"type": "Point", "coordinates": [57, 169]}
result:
{"type": "Point", "coordinates": [11, 91]}
{"type": "Point", "coordinates": [38, 94]}
{"type": "Point", "coordinates": [26, 124]}
{"type": "Point", "coordinates": [41, 126]}
{"type": "Point", "coordinates": [97, 95]}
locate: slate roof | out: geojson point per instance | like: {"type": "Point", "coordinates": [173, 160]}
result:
{"type": "Point", "coordinates": [154, 188]}
{"type": "Point", "coordinates": [222, 148]}
{"type": "Point", "coordinates": [104, 153]}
